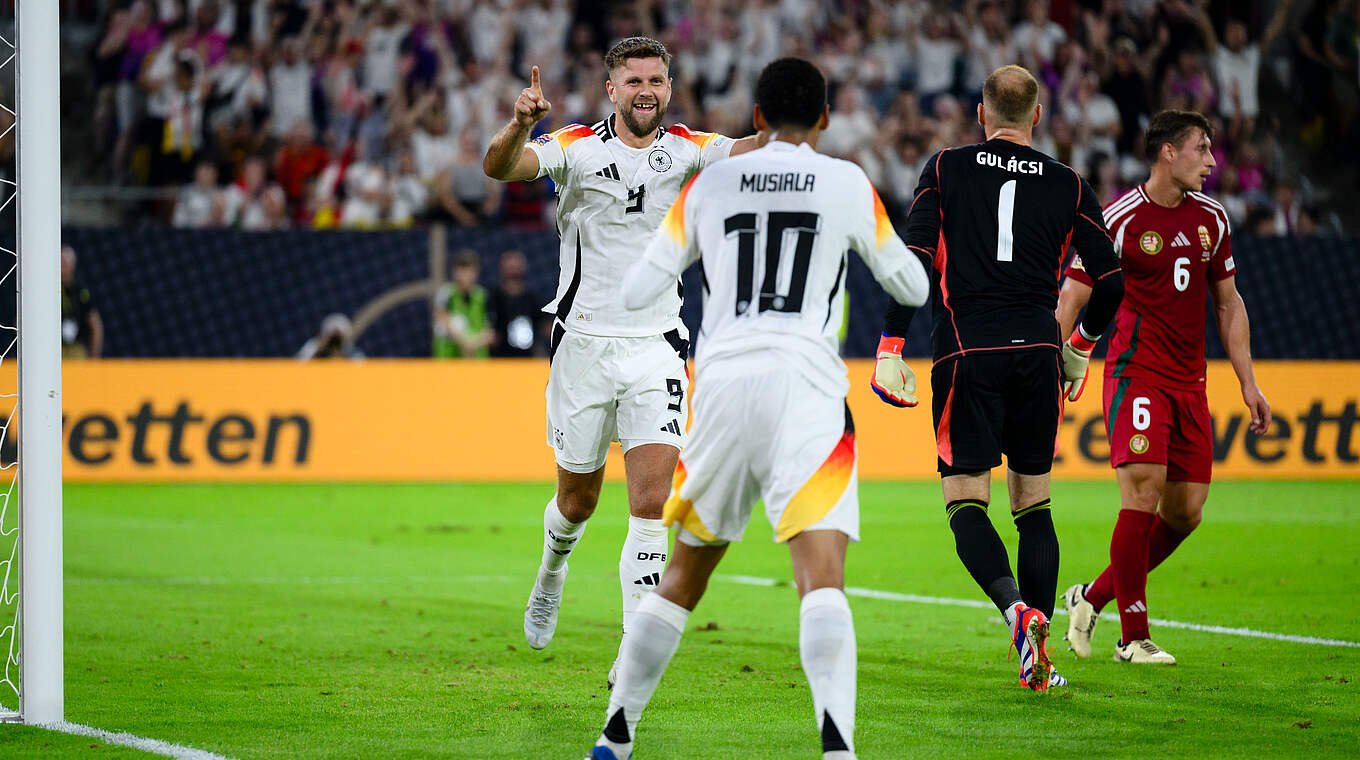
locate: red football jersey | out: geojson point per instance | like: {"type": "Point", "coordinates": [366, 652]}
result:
{"type": "Point", "coordinates": [1169, 256]}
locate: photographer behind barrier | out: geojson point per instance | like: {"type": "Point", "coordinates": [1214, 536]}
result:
{"type": "Point", "coordinates": [334, 341]}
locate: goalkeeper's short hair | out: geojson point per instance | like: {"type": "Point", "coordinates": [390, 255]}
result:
{"type": "Point", "coordinates": [791, 92]}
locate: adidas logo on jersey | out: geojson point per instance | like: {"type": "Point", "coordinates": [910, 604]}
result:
{"type": "Point", "coordinates": [672, 427]}
{"type": "Point", "coordinates": [1180, 240]}
{"type": "Point", "coordinates": [609, 172]}
{"type": "Point", "coordinates": [648, 580]}
{"type": "Point", "coordinates": [1137, 606]}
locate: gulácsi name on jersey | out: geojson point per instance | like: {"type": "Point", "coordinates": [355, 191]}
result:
{"type": "Point", "coordinates": [1010, 164]}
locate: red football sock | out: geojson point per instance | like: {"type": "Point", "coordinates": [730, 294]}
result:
{"type": "Point", "coordinates": [1162, 541]}
{"type": "Point", "coordinates": [1101, 590]}
{"type": "Point", "coordinates": [1129, 560]}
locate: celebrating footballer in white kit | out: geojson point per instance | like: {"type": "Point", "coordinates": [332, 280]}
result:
{"type": "Point", "coordinates": [615, 374]}
{"type": "Point", "coordinates": [772, 231]}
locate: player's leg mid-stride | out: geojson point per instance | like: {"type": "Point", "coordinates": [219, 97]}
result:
{"type": "Point", "coordinates": [642, 557]}
{"type": "Point", "coordinates": [984, 556]}
{"type": "Point", "coordinates": [1145, 534]}
{"type": "Point", "coordinates": [826, 640]}
{"type": "Point", "coordinates": [564, 520]}
{"type": "Point", "coordinates": [1154, 399]}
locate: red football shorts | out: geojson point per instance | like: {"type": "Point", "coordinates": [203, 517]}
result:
{"type": "Point", "coordinates": [1161, 425]}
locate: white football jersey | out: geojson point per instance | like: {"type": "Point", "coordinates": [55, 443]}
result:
{"type": "Point", "coordinates": [610, 200]}
{"type": "Point", "coordinates": [773, 228]}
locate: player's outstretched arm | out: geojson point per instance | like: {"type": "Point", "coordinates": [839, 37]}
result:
{"type": "Point", "coordinates": [1234, 328]}
{"type": "Point", "coordinates": [743, 145]}
{"type": "Point", "coordinates": [506, 159]}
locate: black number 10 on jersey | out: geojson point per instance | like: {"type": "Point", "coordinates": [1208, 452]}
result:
{"type": "Point", "coordinates": [746, 227]}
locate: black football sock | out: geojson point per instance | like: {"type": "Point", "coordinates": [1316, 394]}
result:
{"type": "Point", "coordinates": [982, 553]}
{"type": "Point", "coordinates": [1037, 564]}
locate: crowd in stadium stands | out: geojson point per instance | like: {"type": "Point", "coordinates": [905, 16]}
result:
{"type": "Point", "coordinates": [354, 113]}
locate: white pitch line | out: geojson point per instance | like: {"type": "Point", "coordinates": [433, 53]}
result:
{"type": "Point", "coordinates": [154, 746]}
{"type": "Point", "coordinates": [893, 596]}
{"type": "Point", "coordinates": [291, 580]}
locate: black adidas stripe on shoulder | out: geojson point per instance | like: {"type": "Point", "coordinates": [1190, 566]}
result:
{"type": "Point", "coordinates": [604, 129]}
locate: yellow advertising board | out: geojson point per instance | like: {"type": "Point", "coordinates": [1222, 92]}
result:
{"type": "Point", "coordinates": [422, 420]}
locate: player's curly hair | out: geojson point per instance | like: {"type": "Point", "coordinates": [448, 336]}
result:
{"type": "Point", "coordinates": [635, 47]}
{"type": "Point", "coordinates": [1172, 126]}
{"type": "Point", "coordinates": [791, 92]}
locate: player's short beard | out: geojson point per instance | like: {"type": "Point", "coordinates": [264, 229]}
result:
{"type": "Point", "coordinates": [639, 129]}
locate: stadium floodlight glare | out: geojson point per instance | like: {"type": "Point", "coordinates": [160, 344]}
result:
{"type": "Point", "coordinates": [31, 640]}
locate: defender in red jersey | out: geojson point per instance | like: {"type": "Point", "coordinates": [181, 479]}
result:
{"type": "Point", "coordinates": [1174, 245]}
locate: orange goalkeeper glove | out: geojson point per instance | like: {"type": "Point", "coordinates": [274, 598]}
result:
{"type": "Point", "coordinates": [894, 382]}
{"type": "Point", "coordinates": [1076, 358]}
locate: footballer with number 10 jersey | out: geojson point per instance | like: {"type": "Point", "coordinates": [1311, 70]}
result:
{"type": "Point", "coordinates": [1156, 354]}
{"type": "Point", "coordinates": [772, 417]}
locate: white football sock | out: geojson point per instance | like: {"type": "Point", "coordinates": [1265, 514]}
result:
{"type": "Point", "coordinates": [657, 626]}
{"type": "Point", "coordinates": [826, 641]}
{"type": "Point", "coordinates": [641, 561]}
{"type": "Point", "coordinates": [1012, 613]}
{"type": "Point", "coordinates": [559, 538]}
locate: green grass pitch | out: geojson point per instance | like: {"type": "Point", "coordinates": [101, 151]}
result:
{"type": "Point", "coordinates": [383, 621]}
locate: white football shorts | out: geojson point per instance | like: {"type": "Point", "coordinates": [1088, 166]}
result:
{"type": "Point", "coordinates": [770, 436]}
{"type": "Point", "coordinates": [630, 390]}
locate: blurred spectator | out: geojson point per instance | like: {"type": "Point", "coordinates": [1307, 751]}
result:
{"type": "Point", "coordinates": [368, 197]}
{"type": "Point", "coordinates": [1104, 178]}
{"type": "Point", "coordinates": [200, 203]}
{"type": "Point", "coordinates": [298, 161]}
{"type": "Point", "coordinates": [1237, 61]}
{"type": "Point", "coordinates": [1187, 86]}
{"type": "Point", "coordinates": [1286, 210]}
{"type": "Point", "coordinates": [464, 191]}
{"type": "Point", "coordinates": [990, 44]}
{"type": "Point", "coordinates": [335, 340]}
{"type": "Point", "coordinates": [1037, 38]}
{"type": "Point", "coordinates": [1230, 195]}
{"type": "Point", "coordinates": [175, 104]}
{"type": "Point", "coordinates": [1126, 85]}
{"type": "Point", "coordinates": [206, 38]}
{"type": "Point", "coordinates": [239, 90]}
{"type": "Point", "coordinates": [273, 211]}
{"type": "Point", "coordinates": [514, 313]}
{"type": "Point", "coordinates": [82, 331]}
{"type": "Point", "coordinates": [141, 36]}
{"type": "Point", "coordinates": [290, 87]}
{"type": "Point", "coordinates": [461, 324]}
{"type": "Point", "coordinates": [382, 42]}
{"type": "Point", "coordinates": [243, 200]}
{"type": "Point", "coordinates": [1250, 171]}
{"type": "Point", "coordinates": [852, 124]}
{"type": "Point", "coordinates": [410, 196]}
{"type": "Point", "coordinates": [936, 52]}
{"type": "Point", "coordinates": [1096, 112]}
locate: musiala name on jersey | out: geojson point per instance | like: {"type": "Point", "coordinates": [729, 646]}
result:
{"type": "Point", "coordinates": [788, 182]}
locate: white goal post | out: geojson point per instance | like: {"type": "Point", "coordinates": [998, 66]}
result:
{"type": "Point", "coordinates": [38, 191]}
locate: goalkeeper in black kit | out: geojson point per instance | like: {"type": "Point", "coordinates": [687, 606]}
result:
{"type": "Point", "coordinates": [993, 222]}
